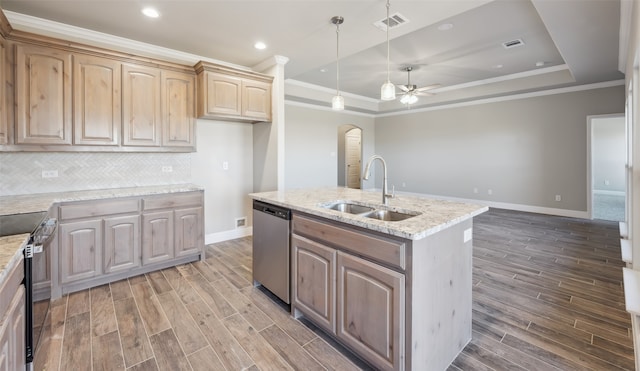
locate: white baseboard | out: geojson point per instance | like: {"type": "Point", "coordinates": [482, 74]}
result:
{"type": "Point", "coordinates": [509, 206]}
{"type": "Point", "coordinates": [228, 235]}
{"type": "Point", "coordinates": [610, 193]}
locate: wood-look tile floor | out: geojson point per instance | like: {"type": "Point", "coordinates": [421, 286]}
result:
{"type": "Point", "coordinates": [547, 295]}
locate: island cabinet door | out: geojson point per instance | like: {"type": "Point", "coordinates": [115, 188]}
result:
{"type": "Point", "coordinates": [314, 281]}
{"type": "Point", "coordinates": [121, 243]}
{"type": "Point", "coordinates": [81, 250]}
{"type": "Point", "coordinates": [157, 237]}
{"type": "Point", "coordinates": [371, 311]}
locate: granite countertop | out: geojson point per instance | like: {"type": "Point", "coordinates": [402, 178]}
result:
{"type": "Point", "coordinates": [42, 201]}
{"type": "Point", "coordinates": [11, 252]}
{"type": "Point", "coordinates": [435, 215]}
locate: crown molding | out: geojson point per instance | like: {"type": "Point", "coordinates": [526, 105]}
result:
{"type": "Point", "coordinates": [626, 11]}
{"type": "Point", "coordinates": [50, 28]}
{"type": "Point", "coordinates": [570, 89]}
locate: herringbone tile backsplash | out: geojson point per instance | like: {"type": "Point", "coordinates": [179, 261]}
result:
{"type": "Point", "coordinates": [22, 172]}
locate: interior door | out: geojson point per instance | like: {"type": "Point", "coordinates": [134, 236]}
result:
{"type": "Point", "coordinates": [353, 157]}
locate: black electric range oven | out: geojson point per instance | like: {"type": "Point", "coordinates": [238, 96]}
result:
{"type": "Point", "coordinates": [41, 229]}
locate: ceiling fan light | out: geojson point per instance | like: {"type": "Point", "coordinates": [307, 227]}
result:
{"type": "Point", "coordinates": [337, 103]}
{"type": "Point", "coordinates": [408, 99]}
{"type": "Point", "coordinates": [388, 91]}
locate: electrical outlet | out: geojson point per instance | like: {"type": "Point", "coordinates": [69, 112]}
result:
{"type": "Point", "coordinates": [404, 184]}
{"type": "Point", "coordinates": [558, 198]}
{"type": "Point", "coordinates": [167, 169]}
{"type": "Point", "coordinates": [489, 192]}
{"type": "Point", "coordinates": [225, 165]}
{"type": "Point", "coordinates": [475, 190]}
{"type": "Point", "coordinates": [607, 182]}
{"type": "Point", "coordinates": [49, 173]}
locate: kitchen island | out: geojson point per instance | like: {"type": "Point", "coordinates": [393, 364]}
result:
{"type": "Point", "coordinates": [397, 293]}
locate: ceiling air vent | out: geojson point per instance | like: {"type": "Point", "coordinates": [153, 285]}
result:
{"type": "Point", "coordinates": [512, 43]}
{"type": "Point", "coordinates": [395, 20]}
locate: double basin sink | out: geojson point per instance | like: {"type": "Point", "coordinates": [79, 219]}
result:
{"type": "Point", "coordinates": [373, 212]}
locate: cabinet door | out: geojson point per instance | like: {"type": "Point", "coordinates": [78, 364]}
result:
{"type": "Point", "coordinates": [43, 95]}
{"type": "Point", "coordinates": [12, 334]}
{"type": "Point", "coordinates": [256, 100]}
{"type": "Point", "coordinates": [178, 116]}
{"type": "Point", "coordinates": [223, 95]}
{"type": "Point", "coordinates": [141, 113]}
{"type": "Point", "coordinates": [4, 115]}
{"type": "Point", "coordinates": [121, 243]}
{"type": "Point", "coordinates": [188, 231]}
{"type": "Point", "coordinates": [157, 237]}
{"type": "Point", "coordinates": [314, 281]}
{"type": "Point", "coordinates": [371, 311]}
{"type": "Point", "coordinates": [80, 250]}
{"type": "Point", "coordinates": [96, 97]}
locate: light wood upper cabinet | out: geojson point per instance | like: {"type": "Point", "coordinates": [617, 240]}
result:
{"type": "Point", "coordinates": [97, 96]}
{"type": "Point", "coordinates": [43, 95]}
{"type": "Point", "coordinates": [178, 116]}
{"type": "Point", "coordinates": [141, 106]}
{"type": "Point", "coordinates": [256, 100]}
{"type": "Point", "coordinates": [219, 94]}
{"type": "Point", "coordinates": [4, 115]}
{"type": "Point", "coordinates": [227, 93]}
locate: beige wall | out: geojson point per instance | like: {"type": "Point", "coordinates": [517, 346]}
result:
{"type": "Point", "coordinates": [525, 151]}
{"type": "Point", "coordinates": [311, 145]}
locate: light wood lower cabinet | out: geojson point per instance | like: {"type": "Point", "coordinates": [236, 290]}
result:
{"type": "Point", "coordinates": [360, 302]}
{"type": "Point", "coordinates": [370, 308]}
{"type": "Point", "coordinates": [81, 250]}
{"type": "Point", "coordinates": [121, 243]}
{"type": "Point", "coordinates": [157, 233]}
{"type": "Point", "coordinates": [12, 317]}
{"type": "Point", "coordinates": [106, 240]}
{"type": "Point", "coordinates": [314, 267]}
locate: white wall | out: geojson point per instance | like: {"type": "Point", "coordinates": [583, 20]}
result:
{"type": "Point", "coordinates": [311, 145]}
{"type": "Point", "coordinates": [608, 151]}
{"type": "Point", "coordinates": [225, 191]}
{"type": "Point", "coordinates": [525, 151]}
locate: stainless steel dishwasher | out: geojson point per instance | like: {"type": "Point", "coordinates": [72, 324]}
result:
{"type": "Point", "coordinates": [271, 230]}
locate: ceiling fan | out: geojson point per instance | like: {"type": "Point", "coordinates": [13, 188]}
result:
{"type": "Point", "coordinates": [411, 92]}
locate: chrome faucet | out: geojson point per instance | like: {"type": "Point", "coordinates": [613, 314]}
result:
{"type": "Point", "coordinates": [365, 176]}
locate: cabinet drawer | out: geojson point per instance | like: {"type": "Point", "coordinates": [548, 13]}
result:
{"type": "Point", "coordinates": [97, 208]}
{"type": "Point", "coordinates": [172, 201]}
{"type": "Point", "coordinates": [385, 250]}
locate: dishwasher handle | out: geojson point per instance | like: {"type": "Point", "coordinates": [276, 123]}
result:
{"type": "Point", "coordinates": [276, 211]}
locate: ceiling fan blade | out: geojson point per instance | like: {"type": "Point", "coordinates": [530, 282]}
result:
{"type": "Point", "coordinates": [403, 88]}
{"type": "Point", "coordinates": [429, 87]}
{"type": "Point", "coordinates": [424, 94]}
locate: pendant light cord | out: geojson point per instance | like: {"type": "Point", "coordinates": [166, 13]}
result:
{"type": "Point", "coordinates": [337, 59]}
{"type": "Point", "coordinates": [388, 23]}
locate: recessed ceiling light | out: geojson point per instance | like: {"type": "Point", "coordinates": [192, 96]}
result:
{"type": "Point", "coordinates": [260, 45]}
{"type": "Point", "coordinates": [150, 12]}
{"type": "Point", "coordinates": [323, 70]}
{"type": "Point", "coordinates": [498, 66]}
{"type": "Point", "coordinates": [540, 64]}
{"type": "Point", "coordinates": [445, 26]}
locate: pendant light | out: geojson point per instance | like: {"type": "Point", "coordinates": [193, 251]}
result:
{"type": "Point", "coordinates": [388, 90]}
{"type": "Point", "coordinates": [337, 102]}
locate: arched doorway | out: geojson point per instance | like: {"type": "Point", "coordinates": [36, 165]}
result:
{"type": "Point", "coordinates": [349, 156]}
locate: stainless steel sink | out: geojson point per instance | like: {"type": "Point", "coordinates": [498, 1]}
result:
{"type": "Point", "coordinates": [388, 215]}
{"type": "Point", "coordinates": [350, 208]}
